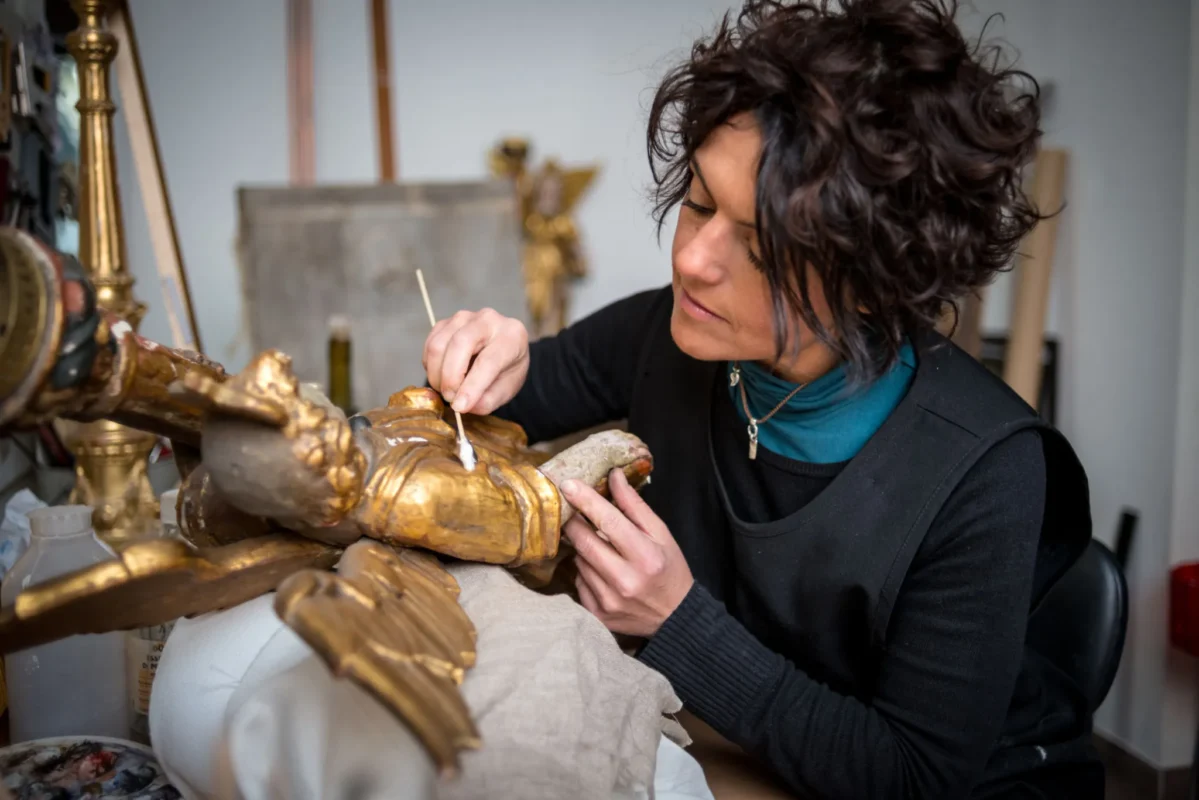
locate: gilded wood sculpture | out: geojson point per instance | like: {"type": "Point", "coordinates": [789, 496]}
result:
{"type": "Point", "coordinates": [280, 487]}
{"type": "Point", "coordinates": [552, 256]}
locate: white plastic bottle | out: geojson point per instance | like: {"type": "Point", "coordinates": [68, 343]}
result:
{"type": "Point", "coordinates": [144, 645]}
{"type": "Point", "coordinates": [75, 686]}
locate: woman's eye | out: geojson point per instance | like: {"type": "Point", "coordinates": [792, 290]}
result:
{"type": "Point", "coordinates": [698, 209]}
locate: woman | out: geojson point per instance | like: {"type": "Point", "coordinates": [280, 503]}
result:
{"type": "Point", "coordinates": [849, 519]}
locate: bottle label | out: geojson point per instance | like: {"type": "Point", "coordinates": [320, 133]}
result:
{"type": "Point", "coordinates": [143, 651]}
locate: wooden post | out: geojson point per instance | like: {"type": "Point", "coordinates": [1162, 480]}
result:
{"type": "Point", "coordinates": [1023, 361]}
{"type": "Point", "coordinates": [299, 92]}
{"type": "Point", "coordinates": [968, 331]}
{"type": "Point", "coordinates": [969, 334]}
{"type": "Point", "coordinates": [387, 163]}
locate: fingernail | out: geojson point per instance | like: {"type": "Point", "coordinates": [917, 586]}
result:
{"type": "Point", "coordinates": [461, 403]}
{"type": "Point", "coordinates": [448, 395]}
{"type": "Point", "coordinates": [570, 487]}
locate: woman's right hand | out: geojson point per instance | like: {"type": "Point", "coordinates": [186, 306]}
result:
{"type": "Point", "coordinates": [477, 360]}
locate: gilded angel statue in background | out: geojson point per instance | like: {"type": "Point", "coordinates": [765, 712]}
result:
{"type": "Point", "coordinates": [552, 256]}
{"type": "Point", "coordinates": [278, 488]}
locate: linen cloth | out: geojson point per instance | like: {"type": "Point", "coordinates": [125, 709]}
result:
{"type": "Point", "coordinates": [242, 708]}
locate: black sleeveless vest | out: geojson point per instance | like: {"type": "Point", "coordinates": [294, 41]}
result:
{"type": "Point", "coordinates": [865, 527]}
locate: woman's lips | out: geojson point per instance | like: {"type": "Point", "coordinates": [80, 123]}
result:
{"type": "Point", "coordinates": [696, 309]}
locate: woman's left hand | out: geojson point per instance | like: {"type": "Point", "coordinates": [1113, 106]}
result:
{"type": "Point", "coordinates": [632, 574]}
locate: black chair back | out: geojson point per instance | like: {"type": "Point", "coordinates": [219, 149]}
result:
{"type": "Point", "coordinates": [1080, 624]}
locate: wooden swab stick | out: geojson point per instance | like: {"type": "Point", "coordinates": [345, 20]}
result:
{"type": "Point", "coordinates": [466, 453]}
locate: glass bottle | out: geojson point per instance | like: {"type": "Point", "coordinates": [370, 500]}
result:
{"type": "Point", "coordinates": [144, 646]}
{"type": "Point", "coordinates": [75, 686]}
{"type": "Point", "coordinates": [341, 392]}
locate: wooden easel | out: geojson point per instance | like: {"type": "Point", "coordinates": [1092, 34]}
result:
{"type": "Point", "coordinates": [147, 161]}
{"type": "Point", "coordinates": [300, 78]}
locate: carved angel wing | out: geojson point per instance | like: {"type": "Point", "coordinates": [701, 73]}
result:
{"type": "Point", "coordinates": [389, 620]}
{"type": "Point", "coordinates": [574, 183]}
{"type": "Point", "coordinates": [154, 582]}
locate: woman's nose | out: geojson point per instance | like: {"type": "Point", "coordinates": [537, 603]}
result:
{"type": "Point", "coordinates": [700, 258]}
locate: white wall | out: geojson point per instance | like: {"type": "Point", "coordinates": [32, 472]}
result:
{"type": "Point", "coordinates": [216, 76]}
{"type": "Point", "coordinates": [572, 76]}
{"type": "Point", "coordinates": [575, 78]}
{"type": "Point", "coordinates": [1121, 80]}
{"type": "Point", "coordinates": [1182, 677]}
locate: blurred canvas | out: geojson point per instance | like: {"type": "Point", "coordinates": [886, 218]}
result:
{"type": "Point", "coordinates": [309, 253]}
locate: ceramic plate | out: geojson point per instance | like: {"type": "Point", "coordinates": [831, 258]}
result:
{"type": "Point", "coordinates": [74, 767]}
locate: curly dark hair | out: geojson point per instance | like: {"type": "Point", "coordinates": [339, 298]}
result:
{"type": "Point", "coordinates": [892, 159]}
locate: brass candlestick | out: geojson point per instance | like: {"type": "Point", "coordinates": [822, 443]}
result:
{"type": "Point", "coordinates": [111, 459]}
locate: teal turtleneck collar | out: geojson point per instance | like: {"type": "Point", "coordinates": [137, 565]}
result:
{"type": "Point", "coordinates": [828, 421]}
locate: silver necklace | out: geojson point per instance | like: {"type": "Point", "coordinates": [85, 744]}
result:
{"type": "Point", "coordinates": [754, 422]}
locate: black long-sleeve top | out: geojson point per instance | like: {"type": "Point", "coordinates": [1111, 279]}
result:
{"type": "Point", "coordinates": [947, 684]}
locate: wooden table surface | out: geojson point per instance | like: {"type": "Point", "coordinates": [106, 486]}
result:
{"type": "Point", "coordinates": [731, 774]}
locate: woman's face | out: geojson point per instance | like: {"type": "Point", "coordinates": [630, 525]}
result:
{"type": "Point", "coordinates": [722, 305]}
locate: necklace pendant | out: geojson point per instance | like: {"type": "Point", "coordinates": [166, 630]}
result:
{"type": "Point", "coordinates": [753, 438]}
{"type": "Point", "coordinates": [734, 376]}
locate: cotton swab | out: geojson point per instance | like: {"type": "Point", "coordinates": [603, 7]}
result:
{"type": "Point", "coordinates": [466, 453]}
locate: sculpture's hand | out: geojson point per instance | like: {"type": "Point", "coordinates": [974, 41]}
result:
{"type": "Point", "coordinates": [592, 461]}
{"type": "Point", "coordinates": [477, 360]}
